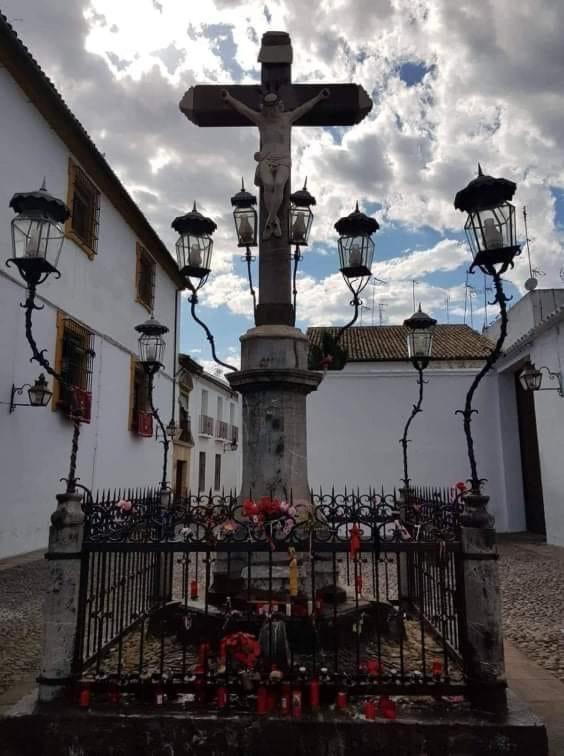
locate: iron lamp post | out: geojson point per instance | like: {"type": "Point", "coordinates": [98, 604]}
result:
{"type": "Point", "coordinates": [420, 327]}
{"type": "Point", "coordinates": [37, 238]}
{"type": "Point", "coordinates": [246, 221]}
{"type": "Point", "coordinates": [194, 249]}
{"type": "Point", "coordinates": [356, 252]}
{"type": "Point", "coordinates": [491, 233]}
{"type": "Point", "coordinates": [530, 379]}
{"type": "Point", "coordinates": [300, 218]}
{"type": "Point", "coordinates": [151, 352]}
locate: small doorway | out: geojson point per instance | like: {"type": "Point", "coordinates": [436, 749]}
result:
{"type": "Point", "coordinates": [530, 461]}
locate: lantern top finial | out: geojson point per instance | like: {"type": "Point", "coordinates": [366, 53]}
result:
{"type": "Point", "coordinates": [303, 198]}
{"type": "Point", "coordinates": [356, 224]}
{"type": "Point", "coordinates": [194, 223]}
{"type": "Point", "coordinates": [40, 203]}
{"type": "Point", "coordinates": [484, 193]}
{"type": "Point", "coordinates": [151, 327]}
{"type": "Point", "coordinates": [419, 321]}
{"type": "Point", "coordinates": [243, 198]}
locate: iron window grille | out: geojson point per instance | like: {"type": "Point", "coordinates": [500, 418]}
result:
{"type": "Point", "coordinates": [77, 356]}
{"type": "Point", "coordinates": [222, 429]}
{"type": "Point", "coordinates": [141, 416]}
{"type": "Point", "coordinates": [217, 473]}
{"type": "Point", "coordinates": [234, 434]}
{"type": "Point", "coordinates": [206, 425]}
{"type": "Point", "coordinates": [85, 208]}
{"type": "Point", "coordinates": [146, 273]}
{"type": "Point", "coordinates": [184, 421]}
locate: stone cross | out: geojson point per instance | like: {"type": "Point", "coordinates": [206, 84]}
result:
{"type": "Point", "coordinates": [274, 107]}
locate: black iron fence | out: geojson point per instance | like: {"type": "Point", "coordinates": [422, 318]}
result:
{"type": "Point", "coordinates": [208, 599]}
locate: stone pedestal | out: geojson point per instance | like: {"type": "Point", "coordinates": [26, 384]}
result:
{"type": "Point", "coordinates": [60, 613]}
{"type": "Point", "coordinates": [483, 636]}
{"type": "Point", "coordinates": [274, 382]}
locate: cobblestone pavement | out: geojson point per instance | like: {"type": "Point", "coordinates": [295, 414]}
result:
{"type": "Point", "coordinates": [21, 598]}
{"type": "Point", "coordinates": [532, 582]}
{"type": "Point", "coordinates": [532, 594]}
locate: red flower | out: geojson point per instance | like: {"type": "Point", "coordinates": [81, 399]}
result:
{"type": "Point", "coordinates": [250, 508]}
{"type": "Point", "coordinates": [460, 486]}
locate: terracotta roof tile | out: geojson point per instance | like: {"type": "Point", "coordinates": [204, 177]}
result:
{"type": "Point", "coordinates": [388, 343]}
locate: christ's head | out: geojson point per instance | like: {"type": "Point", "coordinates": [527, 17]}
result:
{"type": "Point", "coordinates": [271, 105]}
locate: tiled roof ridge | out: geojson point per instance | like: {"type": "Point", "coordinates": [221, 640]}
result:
{"type": "Point", "coordinates": [387, 343]}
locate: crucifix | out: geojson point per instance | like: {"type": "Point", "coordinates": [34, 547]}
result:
{"type": "Point", "coordinates": [274, 107]}
{"type": "Point", "coordinates": [274, 379]}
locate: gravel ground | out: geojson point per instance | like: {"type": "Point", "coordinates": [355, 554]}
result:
{"type": "Point", "coordinates": [21, 599]}
{"type": "Point", "coordinates": [532, 581]}
{"type": "Point", "coordinates": [532, 593]}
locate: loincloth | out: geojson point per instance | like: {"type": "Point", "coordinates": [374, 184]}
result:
{"type": "Point", "coordinates": [273, 160]}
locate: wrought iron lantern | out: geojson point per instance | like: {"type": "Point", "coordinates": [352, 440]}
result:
{"type": "Point", "coordinates": [151, 344]}
{"type": "Point", "coordinates": [173, 431]}
{"type": "Point", "coordinates": [490, 225]}
{"type": "Point", "coordinates": [245, 217]}
{"type": "Point", "coordinates": [356, 248]}
{"type": "Point", "coordinates": [530, 378]}
{"type": "Point", "coordinates": [194, 246]}
{"type": "Point", "coordinates": [37, 234]}
{"type": "Point", "coordinates": [301, 216]}
{"type": "Point", "coordinates": [420, 327]}
{"type": "Point", "coordinates": [38, 394]}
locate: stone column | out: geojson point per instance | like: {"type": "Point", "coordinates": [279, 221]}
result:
{"type": "Point", "coordinates": [482, 635]}
{"type": "Point", "coordinates": [274, 382]}
{"type": "Point", "coordinates": [60, 613]}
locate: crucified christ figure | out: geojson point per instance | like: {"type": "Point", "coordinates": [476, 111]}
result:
{"type": "Point", "coordinates": [274, 158]}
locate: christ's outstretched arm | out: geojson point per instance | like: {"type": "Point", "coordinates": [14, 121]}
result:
{"type": "Point", "coordinates": [240, 107]}
{"type": "Point", "coordinates": [301, 110]}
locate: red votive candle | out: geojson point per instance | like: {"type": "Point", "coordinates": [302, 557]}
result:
{"type": "Point", "coordinates": [221, 697]}
{"type": "Point", "coordinates": [297, 703]}
{"type": "Point", "coordinates": [194, 590]}
{"type": "Point", "coordinates": [373, 667]}
{"type": "Point", "coordinates": [84, 698]}
{"type": "Point", "coordinates": [285, 699]}
{"type": "Point", "coordinates": [314, 694]}
{"type": "Point", "coordinates": [262, 700]}
{"type": "Point", "coordinates": [388, 708]}
{"type": "Point", "coordinates": [341, 700]}
{"type": "Point", "coordinates": [437, 669]}
{"type": "Point", "coordinates": [369, 710]}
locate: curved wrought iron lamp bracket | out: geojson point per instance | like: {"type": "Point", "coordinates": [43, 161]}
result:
{"type": "Point", "coordinates": [416, 409]}
{"type": "Point", "coordinates": [193, 299]}
{"type": "Point", "coordinates": [501, 299]}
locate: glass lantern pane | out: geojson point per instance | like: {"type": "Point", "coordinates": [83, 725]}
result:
{"type": "Point", "coordinates": [300, 225]}
{"type": "Point", "coordinates": [245, 226]}
{"type": "Point", "coordinates": [151, 348]}
{"type": "Point", "coordinates": [194, 254]}
{"type": "Point", "coordinates": [37, 238]}
{"type": "Point", "coordinates": [419, 343]}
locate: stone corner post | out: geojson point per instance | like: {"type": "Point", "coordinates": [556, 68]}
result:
{"type": "Point", "coordinates": [61, 615]}
{"type": "Point", "coordinates": [482, 626]}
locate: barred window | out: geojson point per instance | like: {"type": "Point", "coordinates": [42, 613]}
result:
{"type": "Point", "coordinates": [145, 277]}
{"type": "Point", "coordinates": [140, 416]}
{"type": "Point", "coordinates": [74, 361]}
{"type": "Point", "coordinates": [84, 201]}
{"type": "Point", "coordinates": [184, 419]}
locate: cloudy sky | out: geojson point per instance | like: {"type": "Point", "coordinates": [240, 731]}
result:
{"type": "Point", "coordinates": [453, 83]}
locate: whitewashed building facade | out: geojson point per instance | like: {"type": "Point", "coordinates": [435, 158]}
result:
{"type": "Point", "coordinates": [357, 416]}
{"type": "Point", "coordinates": [114, 271]}
{"type": "Point", "coordinates": [208, 455]}
{"type": "Point", "coordinates": [536, 333]}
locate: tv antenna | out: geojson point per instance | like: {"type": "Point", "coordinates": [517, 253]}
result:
{"type": "Point", "coordinates": [532, 282]}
